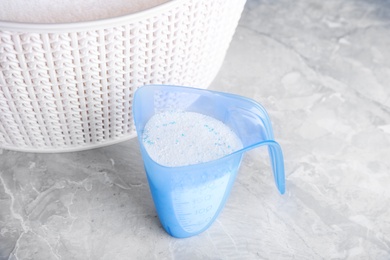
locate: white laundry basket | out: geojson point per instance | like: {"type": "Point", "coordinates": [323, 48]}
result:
{"type": "Point", "coordinates": [69, 87]}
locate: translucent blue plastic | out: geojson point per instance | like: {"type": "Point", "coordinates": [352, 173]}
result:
{"type": "Point", "coordinates": [189, 198]}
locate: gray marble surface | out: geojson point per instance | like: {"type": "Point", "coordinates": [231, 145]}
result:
{"type": "Point", "coordinates": [322, 70]}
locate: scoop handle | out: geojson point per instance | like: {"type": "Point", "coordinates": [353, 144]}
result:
{"type": "Point", "coordinates": [277, 162]}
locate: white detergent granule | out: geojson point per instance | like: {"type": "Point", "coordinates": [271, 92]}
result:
{"type": "Point", "coordinates": [181, 138]}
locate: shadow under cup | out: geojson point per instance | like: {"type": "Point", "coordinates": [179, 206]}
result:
{"type": "Point", "coordinates": [189, 198]}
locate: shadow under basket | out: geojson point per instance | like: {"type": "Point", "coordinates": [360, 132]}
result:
{"type": "Point", "coordinates": [69, 87]}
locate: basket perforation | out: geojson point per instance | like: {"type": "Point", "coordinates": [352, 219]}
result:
{"type": "Point", "coordinates": [56, 104]}
{"type": "Point", "coordinates": [79, 97]}
{"type": "Point", "coordinates": [21, 117]}
{"type": "Point", "coordinates": [103, 82]}
{"type": "Point", "coordinates": [12, 121]}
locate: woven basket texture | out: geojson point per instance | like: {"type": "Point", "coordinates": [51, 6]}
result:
{"type": "Point", "coordinates": [71, 89]}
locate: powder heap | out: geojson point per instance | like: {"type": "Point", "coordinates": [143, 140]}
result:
{"type": "Point", "coordinates": [179, 138]}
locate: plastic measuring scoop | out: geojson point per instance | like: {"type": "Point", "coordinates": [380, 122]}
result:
{"type": "Point", "coordinates": [189, 198]}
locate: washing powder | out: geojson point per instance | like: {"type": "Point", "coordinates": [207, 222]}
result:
{"type": "Point", "coordinates": [179, 138]}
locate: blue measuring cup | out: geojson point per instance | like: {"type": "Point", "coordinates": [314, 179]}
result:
{"type": "Point", "coordinates": [189, 198]}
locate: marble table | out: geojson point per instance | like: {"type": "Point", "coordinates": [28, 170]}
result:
{"type": "Point", "coordinates": [322, 70]}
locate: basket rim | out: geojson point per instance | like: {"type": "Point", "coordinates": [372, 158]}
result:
{"type": "Point", "coordinates": [88, 25]}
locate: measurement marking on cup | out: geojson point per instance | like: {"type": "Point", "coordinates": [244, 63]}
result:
{"type": "Point", "coordinates": [203, 210]}
{"type": "Point", "coordinates": [196, 205]}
